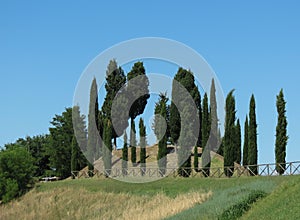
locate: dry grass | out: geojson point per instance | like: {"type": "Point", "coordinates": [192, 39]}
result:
{"type": "Point", "coordinates": [66, 203]}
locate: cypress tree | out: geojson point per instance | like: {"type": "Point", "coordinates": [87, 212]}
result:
{"type": "Point", "coordinates": [213, 139]}
{"type": "Point", "coordinates": [196, 159]}
{"type": "Point", "coordinates": [252, 144]}
{"type": "Point", "coordinates": [187, 140]}
{"type": "Point", "coordinates": [238, 142]}
{"type": "Point", "coordinates": [229, 137]}
{"type": "Point", "coordinates": [107, 149]}
{"type": "Point", "coordinates": [205, 122]}
{"type": "Point", "coordinates": [133, 142]}
{"type": "Point", "coordinates": [205, 136]}
{"type": "Point", "coordinates": [187, 80]}
{"type": "Point", "coordinates": [115, 80]}
{"type": "Point", "coordinates": [162, 144]}
{"type": "Point", "coordinates": [93, 152]}
{"type": "Point", "coordinates": [125, 155]}
{"type": "Point", "coordinates": [161, 132]}
{"type": "Point", "coordinates": [156, 126]}
{"type": "Point", "coordinates": [246, 140]}
{"type": "Point", "coordinates": [74, 156]}
{"type": "Point", "coordinates": [139, 93]}
{"type": "Point", "coordinates": [281, 134]}
{"type": "Point", "coordinates": [142, 130]}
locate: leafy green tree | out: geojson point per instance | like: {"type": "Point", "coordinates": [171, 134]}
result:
{"type": "Point", "coordinates": [36, 146]}
{"type": "Point", "coordinates": [229, 137]}
{"type": "Point", "coordinates": [60, 143]}
{"type": "Point", "coordinates": [125, 155]}
{"type": "Point", "coordinates": [143, 144]}
{"type": "Point", "coordinates": [246, 140]}
{"type": "Point", "coordinates": [238, 142]}
{"type": "Point", "coordinates": [78, 160]}
{"type": "Point", "coordinates": [281, 134]}
{"type": "Point", "coordinates": [107, 148]}
{"type": "Point", "coordinates": [115, 80]}
{"type": "Point", "coordinates": [138, 84]}
{"type": "Point", "coordinates": [93, 149]}
{"type": "Point", "coordinates": [252, 144]}
{"type": "Point", "coordinates": [61, 135]}
{"type": "Point", "coordinates": [16, 172]}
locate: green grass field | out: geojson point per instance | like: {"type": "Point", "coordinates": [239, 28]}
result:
{"type": "Point", "coordinates": [111, 199]}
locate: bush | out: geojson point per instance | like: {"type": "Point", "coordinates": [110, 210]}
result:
{"type": "Point", "coordinates": [17, 170]}
{"type": "Point", "coordinates": [236, 211]}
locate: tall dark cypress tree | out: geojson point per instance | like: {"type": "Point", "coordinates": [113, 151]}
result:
{"type": "Point", "coordinates": [196, 159]}
{"type": "Point", "coordinates": [213, 139]}
{"type": "Point", "coordinates": [185, 144]}
{"type": "Point", "coordinates": [139, 93]}
{"type": "Point", "coordinates": [281, 134]}
{"type": "Point", "coordinates": [133, 143]}
{"type": "Point", "coordinates": [93, 151]}
{"type": "Point", "coordinates": [229, 137]}
{"type": "Point", "coordinates": [246, 140]}
{"type": "Point", "coordinates": [238, 142]}
{"type": "Point", "coordinates": [187, 80]}
{"type": "Point", "coordinates": [205, 122]}
{"type": "Point", "coordinates": [115, 80]}
{"type": "Point", "coordinates": [74, 156]}
{"type": "Point", "coordinates": [205, 136]}
{"type": "Point", "coordinates": [143, 144]}
{"type": "Point", "coordinates": [125, 155]}
{"type": "Point", "coordinates": [162, 144]}
{"type": "Point", "coordinates": [252, 145]}
{"type": "Point", "coordinates": [107, 149]}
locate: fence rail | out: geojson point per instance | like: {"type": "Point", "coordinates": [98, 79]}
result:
{"type": "Point", "coordinates": [291, 168]}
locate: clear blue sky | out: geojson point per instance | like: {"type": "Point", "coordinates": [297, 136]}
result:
{"type": "Point", "coordinates": [253, 47]}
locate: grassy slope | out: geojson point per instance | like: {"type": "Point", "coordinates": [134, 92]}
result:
{"type": "Point", "coordinates": [283, 203]}
{"type": "Point", "coordinates": [107, 198]}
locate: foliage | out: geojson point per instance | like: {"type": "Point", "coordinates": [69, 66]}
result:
{"type": "Point", "coordinates": [115, 80]}
{"type": "Point", "coordinates": [138, 94]}
{"type": "Point", "coordinates": [93, 143]}
{"type": "Point", "coordinates": [237, 210]}
{"type": "Point", "coordinates": [125, 155]}
{"type": "Point", "coordinates": [213, 116]}
{"type": "Point", "coordinates": [246, 140]}
{"type": "Point", "coordinates": [238, 142]}
{"type": "Point", "coordinates": [138, 84]}
{"type": "Point", "coordinates": [186, 79]}
{"type": "Point", "coordinates": [281, 134]}
{"type": "Point", "coordinates": [187, 141]}
{"type": "Point", "coordinates": [229, 137]}
{"type": "Point", "coordinates": [161, 131]}
{"type": "Point", "coordinates": [107, 148]}
{"type": "Point", "coordinates": [133, 142]}
{"type": "Point", "coordinates": [143, 144]}
{"type": "Point", "coordinates": [16, 172]}
{"type": "Point", "coordinates": [60, 146]}
{"type": "Point", "coordinates": [252, 144]}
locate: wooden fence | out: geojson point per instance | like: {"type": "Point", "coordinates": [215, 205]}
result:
{"type": "Point", "coordinates": [291, 168]}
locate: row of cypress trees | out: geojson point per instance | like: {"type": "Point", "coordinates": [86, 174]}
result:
{"type": "Point", "coordinates": [167, 124]}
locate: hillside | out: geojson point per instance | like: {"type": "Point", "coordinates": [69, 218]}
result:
{"type": "Point", "coordinates": [172, 198]}
{"type": "Point", "coordinates": [151, 159]}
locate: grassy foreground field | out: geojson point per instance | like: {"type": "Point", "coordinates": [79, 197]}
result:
{"type": "Point", "coordinates": [169, 198]}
